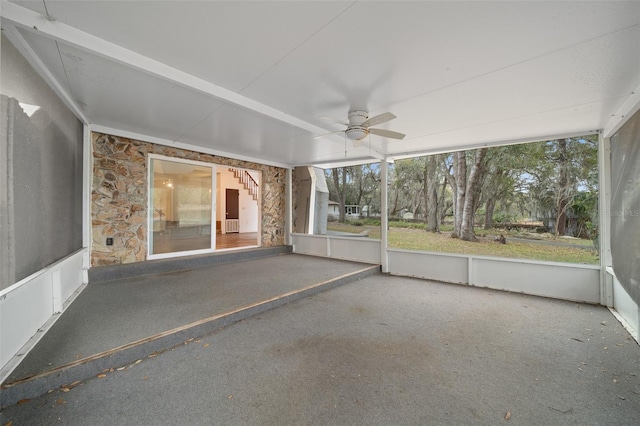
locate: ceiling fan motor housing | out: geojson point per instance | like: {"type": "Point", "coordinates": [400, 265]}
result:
{"type": "Point", "coordinates": [359, 125]}
{"type": "Point", "coordinates": [357, 117]}
{"type": "Point", "coordinates": [356, 131]}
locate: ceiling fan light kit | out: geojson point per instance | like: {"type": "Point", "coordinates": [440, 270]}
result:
{"type": "Point", "coordinates": [356, 133]}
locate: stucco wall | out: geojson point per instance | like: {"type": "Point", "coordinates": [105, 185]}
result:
{"type": "Point", "coordinates": [119, 196]}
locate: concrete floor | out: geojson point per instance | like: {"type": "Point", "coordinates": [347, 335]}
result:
{"type": "Point", "coordinates": [111, 314]}
{"type": "Point", "coordinates": [383, 350]}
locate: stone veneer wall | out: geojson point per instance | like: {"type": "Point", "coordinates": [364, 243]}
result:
{"type": "Point", "coordinates": [119, 196]}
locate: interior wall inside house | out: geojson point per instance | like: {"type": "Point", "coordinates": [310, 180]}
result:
{"type": "Point", "coordinates": [249, 209]}
{"type": "Point", "coordinates": [41, 172]}
{"type": "Point", "coordinates": [625, 206]}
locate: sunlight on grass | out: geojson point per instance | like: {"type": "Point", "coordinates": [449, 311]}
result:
{"type": "Point", "coordinates": [372, 231]}
{"type": "Point", "coordinates": [416, 239]}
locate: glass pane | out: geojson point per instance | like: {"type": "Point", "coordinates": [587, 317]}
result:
{"type": "Point", "coordinates": [181, 198]}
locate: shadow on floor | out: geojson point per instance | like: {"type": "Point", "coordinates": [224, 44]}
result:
{"type": "Point", "coordinates": [382, 350]}
{"type": "Point", "coordinates": [114, 322]}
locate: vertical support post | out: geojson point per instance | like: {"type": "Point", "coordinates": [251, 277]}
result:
{"type": "Point", "coordinates": [214, 212]}
{"type": "Point", "coordinates": [328, 246]}
{"type": "Point", "coordinates": [312, 201]}
{"type": "Point", "coordinates": [288, 215]}
{"type": "Point", "coordinates": [604, 219]}
{"type": "Point", "coordinates": [87, 179]}
{"type": "Point", "coordinates": [56, 291]}
{"type": "Point", "coordinates": [7, 205]}
{"type": "Point", "coordinates": [384, 215]}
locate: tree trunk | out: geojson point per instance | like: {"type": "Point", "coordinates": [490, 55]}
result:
{"type": "Point", "coordinates": [448, 180]}
{"type": "Point", "coordinates": [475, 177]}
{"type": "Point", "coordinates": [488, 214]}
{"type": "Point", "coordinates": [431, 195]}
{"type": "Point", "coordinates": [394, 210]}
{"type": "Point", "coordinates": [494, 190]}
{"type": "Point", "coordinates": [416, 205]}
{"type": "Point", "coordinates": [359, 183]}
{"type": "Point", "coordinates": [460, 177]}
{"type": "Point", "coordinates": [562, 202]}
{"type": "Point", "coordinates": [340, 190]}
{"type": "Point", "coordinates": [443, 205]}
{"type": "Point", "coordinates": [417, 199]}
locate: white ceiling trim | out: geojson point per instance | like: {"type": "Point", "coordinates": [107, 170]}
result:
{"type": "Point", "coordinates": [34, 60]}
{"type": "Point", "coordinates": [490, 144]}
{"type": "Point", "coordinates": [181, 145]}
{"type": "Point", "coordinates": [350, 162]}
{"type": "Point", "coordinates": [630, 107]}
{"type": "Point", "coordinates": [370, 156]}
{"type": "Point", "coordinates": [34, 22]}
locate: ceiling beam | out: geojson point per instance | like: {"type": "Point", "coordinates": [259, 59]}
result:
{"type": "Point", "coordinates": [181, 145]}
{"type": "Point", "coordinates": [628, 108]}
{"type": "Point", "coordinates": [34, 60]}
{"type": "Point", "coordinates": [39, 24]}
{"type": "Point", "coordinates": [347, 163]}
{"type": "Point", "coordinates": [454, 148]}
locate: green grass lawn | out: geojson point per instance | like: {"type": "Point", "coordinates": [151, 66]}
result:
{"type": "Point", "coordinates": [418, 239]}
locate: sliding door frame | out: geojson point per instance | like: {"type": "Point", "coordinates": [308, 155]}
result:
{"type": "Point", "coordinates": [212, 248]}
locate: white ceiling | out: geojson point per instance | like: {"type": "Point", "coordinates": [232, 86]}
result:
{"type": "Point", "coordinates": [253, 79]}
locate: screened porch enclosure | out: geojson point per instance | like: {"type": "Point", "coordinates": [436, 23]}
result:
{"type": "Point", "coordinates": [91, 91]}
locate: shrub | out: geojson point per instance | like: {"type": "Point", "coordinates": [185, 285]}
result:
{"type": "Point", "coordinates": [503, 218]}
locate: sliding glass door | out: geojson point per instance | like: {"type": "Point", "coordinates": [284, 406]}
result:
{"type": "Point", "coordinates": [182, 207]}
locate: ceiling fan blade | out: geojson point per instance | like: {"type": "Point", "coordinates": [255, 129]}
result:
{"type": "Point", "coordinates": [327, 134]}
{"type": "Point", "coordinates": [378, 119]}
{"type": "Point", "coordinates": [387, 133]}
{"type": "Point", "coordinates": [335, 120]}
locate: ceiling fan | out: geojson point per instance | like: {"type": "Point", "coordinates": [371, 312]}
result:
{"type": "Point", "coordinates": [359, 126]}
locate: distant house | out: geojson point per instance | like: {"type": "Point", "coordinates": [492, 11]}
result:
{"type": "Point", "coordinates": [406, 214]}
{"type": "Point", "coordinates": [350, 211]}
{"type": "Point", "coordinates": [334, 209]}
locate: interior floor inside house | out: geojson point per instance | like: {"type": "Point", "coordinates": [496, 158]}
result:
{"type": "Point", "coordinates": [166, 243]}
